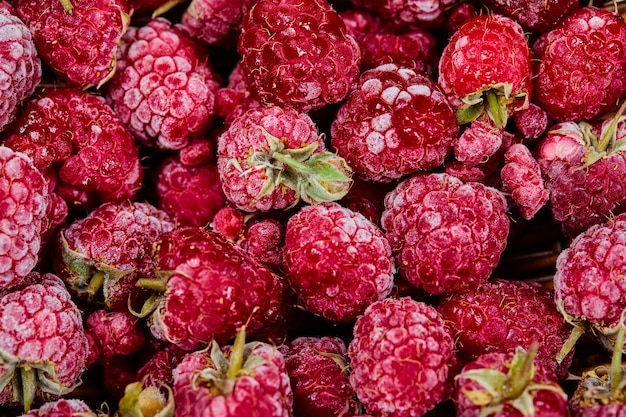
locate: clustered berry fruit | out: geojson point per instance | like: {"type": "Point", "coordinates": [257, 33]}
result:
{"type": "Point", "coordinates": [312, 208]}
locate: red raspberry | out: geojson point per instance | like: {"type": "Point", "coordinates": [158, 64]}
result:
{"type": "Point", "coordinates": [216, 22]}
{"type": "Point", "coordinates": [263, 240]}
{"type": "Point", "coordinates": [395, 114]}
{"type": "Point", "coordinates": [41, 340]}
{"type": "Point", "coordinates": [24, 198]}
{"type": "Point", "coordinates": [478, 142]}
{"type": "Point", "coordinates": [419, 12]}
{"type": "Point", "coordinates": [400, 357]}
{"type": "Point", "coordinates": [534, 15]}
{"type": "Point", "coordinates": [447, 235]}
{"type": "Point", "coordinates": [298, 53]}
{"type": "Point", "coordinates": [531, 122]}
{"type": "Point", "coordinates": [63, 407]}
{"type": "Point", "coordinates": [163, 88]}
{"type": "Point", "coordinates": [229, 222]}
{"type": "Point", "coordinates": [78, 39]}
{"type": "Point", "coordinates": [336, 261]}
{"type": "Point", "coordinates": [115, 332]}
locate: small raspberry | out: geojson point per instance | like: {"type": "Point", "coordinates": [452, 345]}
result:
{"type": "Point", "coordinates": [263, 240]}
{"type": "Point", "coordinates": [229, 222]}
{"type": "Point", "coordinates": [115, 332]}
{"type": "Point", "coordinates": [71, 407]}
{"type": "Point", "coordinates": [478, 142]}
{"type": "Point", "coordinates": [400, 357]}
{"type": "Point", "coordinates": [163, 88]}
{"type": "Point", "coordinates": [531, 122]}
{"type": "Point", "coordinates": [216, 22]}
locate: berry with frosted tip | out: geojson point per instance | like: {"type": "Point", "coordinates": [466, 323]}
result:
{"type": "Point", "coordinates": [64, 407]}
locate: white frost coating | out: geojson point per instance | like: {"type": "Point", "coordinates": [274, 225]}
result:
{"type": "Point", "coordinates": [596, 22]}
{"type": "Point", "coordinates": [9, 31]}
{"type": "Point", "coordinates": [406, 73]}
{"type": "Point", "coordinates": [372, 87]}
{"type": "Point", "coordinates": [391, 139]}
{"type": "Point", "coordinates": [419, 90]}
{"type": "Point", "coordinates": [390, 94]}
{"type": "Point", "coordinates": [375, 142]}
{"type": "Point", "coordinates": [381, 123]}
{"type": "Point", "coordinates": [404, 96]}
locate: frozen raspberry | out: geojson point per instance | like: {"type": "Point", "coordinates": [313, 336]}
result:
{"type": "Point", "coordinates": [42, 341]}
{"type": "Point", "coordinates": [367, 198]}
{"type": "Point", "coordinates": [478, 142]}
{"type": "Point", "coordinates": [317, 368]}
{"type": "Point", "coordinates": [163, 88]}
{"type": "Point", "coordinates": [534, 15]}
{"type": "Point", "coordinates": [447, 235]}
{"type": "Point", "coordinates": [77, 39]}
{"type": "Point", "coordinates": [531, 122]}
{"type": "Point", "coordinates": [431, 13]}
{"type": "Point", "coordinates": [566, 86]}
{"type": "Point", "coordinates": [159, 367]}
{"type": "Point", "coordinates": [486, 69]}
{"type": "Point", "coordinates": [238, 380]}
{"type": "Point", "coordinates": [216, 22]}
{"type": "Point", "coordinates": [272, 157]}
{"type": "Point", "coordinates": [24, 198]}
{"type": "Point", "coordinates": [236, 98]}
{"type": "Point", "coordinates": [21, 67]}
{"type": "Point", "coordinates": [229, 222]}
{"type": "Point", "coordinates": [488, 319]}
{"type": "Point", "coordinates": [298, 53]}
{"type": "Point", "coordinates": [191, 194]}
{"type": "Point", "coordinates": [102, 256]}
{"type": "Point", "coordinates": [115, 332]}
{"type": "Point", "coordinates": [589, 289]}
{"type": "Point", "coordinates": [211, 287]}
{"type": "Point", "coordinates": [400, 357]}
{"type": "Point", "coordinates": [336, 261]}
{"type": "Point", "coordinates": [263, 240]}
{"type": "Point", "coordinates": [395, 114]}
{"type": "Point", "coordinates": [508, 385]}
{"type": "Point", "coordinates": [80, 135]}
{"type": "Point", "coordinates": [70, 407]}
{"type": "Point", "coordinates": [460, 14]}
{"type": "Point", "coordinates": [521, 177]}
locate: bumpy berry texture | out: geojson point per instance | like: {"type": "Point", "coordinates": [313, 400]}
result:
{"type": "Point", "coordinates": [486, 67]}
{"type": "Point", "coordinates": [589, 289]}
{"type": "Point", "coordinates": [336, 261]}
{"type": "Point", "coordinates": [488, 319]}
{"type": "Point", "coordinates": [225, 383]}
{"type": "Point", "coordinates": [317, 368]}
{"type": "Point", "coordinates": [216, 22]}
{"type": "Point", "coordinates": [395, 114]}
{"type": "Point", "coordinates": [447, 235]}
{"type": "Point", "coordinates": [419, 12]}
{"type": "Point", "coordinates": [588, 34]}
{"type": "Point", "coordinates": [531, 122]}
{"type": "Point", "coordinates": [41, 340]}
{"type": "Point", "coordinates": [521, 177]}
{"type": "Point", "coordinates": [191, 194]}
{"type": "Point", "coordinates": [263, 240]}
{"type": "Point", "coordinates": [478, 142]}
{"type": "Point", "coordinates": [533, 15]}
{"type": "Point", "coordinates": [508, 385]}
{"type": "Point", "coordinates": [211, 288]}
{"type": "Point", "coordinates": [400, 358]}
{"type": "Point", "coordinates": [20, 71]}
{"type": "Point", "coordinates": [80, 44]}
{"type": "Point", "coordinates": [102, 256]}
{"type": "Point", "coordinates": [298, 54]}
{"type": "Point", "coordinates": [585, 172]}
{"type": "Point", "coordinates": [271, 158]}
{"type": "Point", "coordinates": [163, 88]}
{"type": "Point", "coordinates": [229, 222]}
{"type": "Point", "coordinates": [71, 407]}
{"type": "Point", "coordinates": [80, 134]}
{"type": "Point", "coordinates": [115, 332]}
{"type": "Point", "coordinates": [24, 198]}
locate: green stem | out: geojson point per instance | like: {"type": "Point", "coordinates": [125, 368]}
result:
{"type": "Point", "coordinates": [569, 344]}
{"type": "Point", "coordinates": [524, 374]}
{"type": "Point", "coordinates": [155, 284]}
{"type": "Point", "coordinates": [95, 283]}
{"type": "Point", "coordinates": [28, 379]}
{"type": "Point", "coordinates": [498, 112]}
{"type": "Point", "coordinates": [292, 163]}
{"type": "Point", "coordinates": [67, 5]}
{"type": "Point", "coordinates": [236, 354]}
{"type": "Point", "coordinates": [609, 134]}
{"type": "Point", "coordinates": [616, 359]}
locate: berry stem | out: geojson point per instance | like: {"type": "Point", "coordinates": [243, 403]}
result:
{"type": "Point", "coordinates": [236, 354]}
{"type": "Point", "coordinates": [495, 109]}
{"type": "Point", "coordinates": [617, 371]}
{"type": "Point", "coordinates": [522, 369]}
{"type": "Point", "coordinates": [569, 344]}
{"type": "Point", "coordinates": [28, 380]}
{"type": "Point", "coordinates": [95, 283]}
{"type": "Point", "coordinates": [154, 284]}
{"type": "Point", "coordinates": [67, 6]}
{"type": "Point", "coordinates": [609, 134]}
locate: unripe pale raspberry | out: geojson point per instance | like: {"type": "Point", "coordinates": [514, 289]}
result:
{"type": "Point", "coordinates": [400, 357]}
{"type": "Point", "coordinates": [21, 67]}
{"type": "Point", "coordinates": [24, 197]}
{"type": "Point", "coordinates": [336, 261]}
{"type": "Point", "coordinates": [163, 88]}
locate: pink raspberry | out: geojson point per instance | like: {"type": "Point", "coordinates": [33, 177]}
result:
{"type": "Point", "coordinates": [216, 22]}
{"type": "Point", "coordinates": [531, 122]}
{"type": "Point", "coordinates": [336, 261]}
{"type": "Point", "coordinates": [478, 142]}
{"type": "Point", "coordinates": [400, 357]}
{"type": "Point", "coordinates": [115, 332]}
{"type": "Point", "coordinates": [229, 222]}
{"type": "Point", "coordinates": [70, 407]}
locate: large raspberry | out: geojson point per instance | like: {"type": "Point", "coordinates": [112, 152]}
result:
{"type": "Point", "coordinates": [78, 39]}
{"type": "Point", "coordinates": [395, 114]}
{"type": "Point", "coordinates": [242, 380]}
{"type": "Point", "coordinates": [447, 235]}
{"type": "Point", "coordinates": [486, 67]}
{"type": "Point", "coordinates": [43, 347]}
{"type": "Point", "coordinates": [509, 384]}
{"type": "Point", "coordinates": [317, 368]}
{"type": "Point", "coordinates": [489, 319]}
{"type": "Point", "coordinates": [211, 287]}
{"type": "Point", "coordinates": [568, 86]}
{"type": "Point", "coordinates": [400, 357]}
{"type": "Point", "coordinates": [589, 285]}
{"type": "Point", "coordinates": [163, 88]}
{"type": "Point", "coordinates": [24, 197]}
{"type": "Point", "coordinates": [270, 158]}
{"type": "Point", "coordinates": [102, 256]}
{"type": "Point", "coordinates": [20, 71]}
{"type": "Point", "coordinates": [79, 135]}
{"type": "Point", "coordinates": [336, 261]}
{"type": "Point", "coordinates": [298, 53]}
